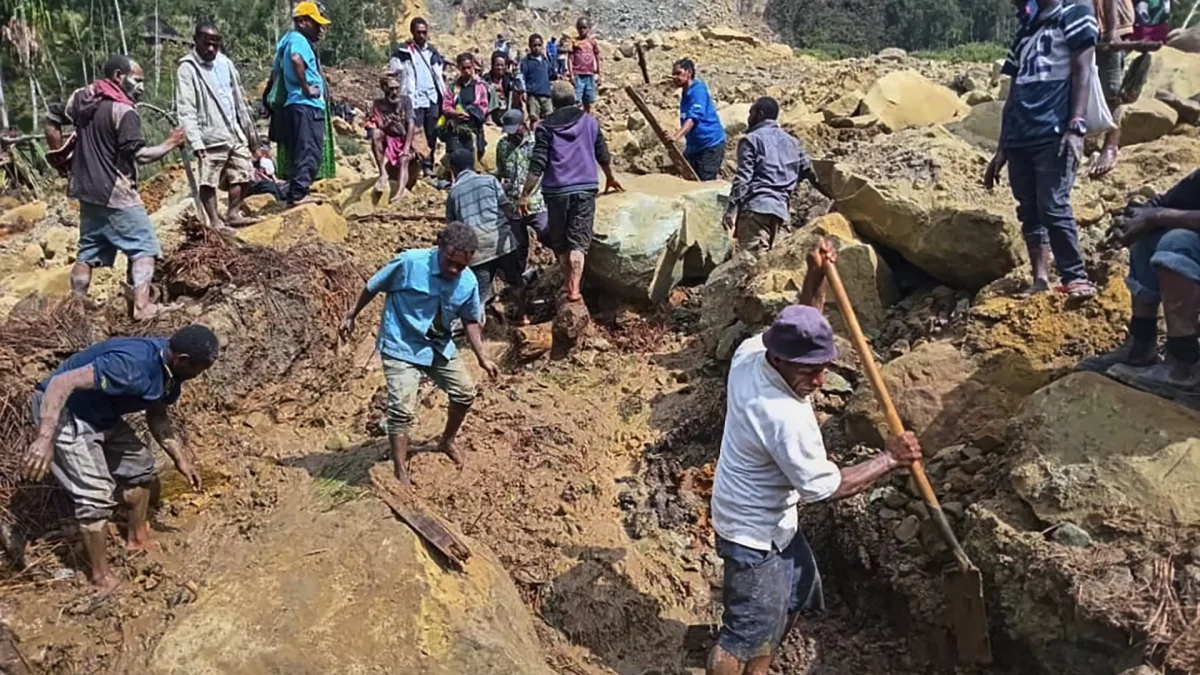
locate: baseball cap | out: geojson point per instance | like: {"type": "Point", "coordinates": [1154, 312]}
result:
{"type": "Point", "coordinates": [310, 10]}
{"type": "Point", "coordinates": [801, 335]}
{"type": "Point", "coordinates": [511, 121]}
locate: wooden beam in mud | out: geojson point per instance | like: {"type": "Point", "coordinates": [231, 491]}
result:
{"type": "Point", "coordinates": [677, 158]}
{"type": "Point", "coordinates": [408, 507]}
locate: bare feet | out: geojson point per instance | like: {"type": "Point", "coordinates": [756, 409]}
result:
{"type": "Point", "coordinates": [1105, 162]}
{"type": "Point", "coordinates": [401, 473]}
{"type": "Point", "coordinates": [241, 221]}
{"type": "Point", "coordinates": [396, 197]}
{"type": "Point", "coordinates": [381, 185]}
{"type": "Point", "coordinates": [139, 540]}
{"type": "Point", "coordinates": [151, 311]}
{"type": "Point", "coordinates": [103, 585]}
{"type": "Point", "coordinates": [1037, 287]}
{"type": "Point", "coordinates": [452, 451]}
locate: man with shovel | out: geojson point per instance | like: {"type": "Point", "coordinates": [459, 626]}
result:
{"type": "Point", "coordinates": [772, 459]}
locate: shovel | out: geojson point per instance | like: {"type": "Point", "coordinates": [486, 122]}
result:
{"type": "Point", "coordinates": [965, 587]}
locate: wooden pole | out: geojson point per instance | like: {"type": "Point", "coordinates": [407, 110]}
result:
{"type": "Point", "coordinates": [677, 157]}
{"type": "Point", "coordinates": [642, 61]}
{"type": "Point", "coordinates": [121, 27]}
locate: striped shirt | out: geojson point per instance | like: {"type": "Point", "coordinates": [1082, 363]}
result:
{"type": "Point", "coordinates": [1039, 62]}
{"type": "Point", "coordinates": [478, 200]}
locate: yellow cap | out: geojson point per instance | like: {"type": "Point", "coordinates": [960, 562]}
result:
{"type": "Point", "coordinates": [310, 10]}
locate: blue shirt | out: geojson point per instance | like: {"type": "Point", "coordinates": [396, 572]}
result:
{"type": "Point", "coordinates": [536, 71]}
{"type": "Point", "coordinates": [295, 43]}
{"type": "Point", "coordinates": [552, 50]}
{"type": "Point", "coordinates": [707, 131]}
{"type": "Point", "coordinates": [421, 305]}
{"type": "Point", "coordinates": [131, 376]}
{"type": "Point", "coordinates": [1039, 102]}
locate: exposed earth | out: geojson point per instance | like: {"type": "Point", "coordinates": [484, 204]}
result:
{"type": "Point", "coordinates": [584, 499]}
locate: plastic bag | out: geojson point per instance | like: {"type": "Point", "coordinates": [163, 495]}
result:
{"type": "Point", "coordinates": [1098, 117]}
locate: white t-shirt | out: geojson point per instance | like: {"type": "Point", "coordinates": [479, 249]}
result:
{"type": "Point", "coordinates": [772, 455]}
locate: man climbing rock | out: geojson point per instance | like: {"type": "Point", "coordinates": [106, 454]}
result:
{"type": "Point", "coordinates": [299, 127]}
{"type": "Point", "coordinates": [108, 147]}
{"type": "Point", "coordinates": [83, 439]}
{"type": "Point", "coordinates": [567, 146]}
{"type": "Point", "coordinates": [424, 82]}
{"type": "Point", "coordinates": [426, 289]}
{"type": "Point", "coordinates": [770, 164]}
{"type": "Point", "coordinates": [772, 459]}
{"type": "Point", "coordinates": [220, 128]}
{"type": "Point", "coordinates": [391, 129]}
{"type": "Point", "coordinates": [698, 123]}
{"type": "Point", "coordinates": [1041, 136]}
{"type": "Point", "coordinates": [478, 200]}
{"type": "Point", "coordinates": [1164, 269]}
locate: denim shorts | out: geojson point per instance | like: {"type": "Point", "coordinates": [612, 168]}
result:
{"type": "Point", "coordinates": [585, 88]}
{"type": "Point", "coordinates": [103, 231]}
{"type": "Point", "coordinates": [762, 591]}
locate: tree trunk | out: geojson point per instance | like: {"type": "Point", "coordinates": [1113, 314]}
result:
{"type": "Point", "coordinates": [33, 99]}
{"type": "Point", "coordinates": [157, 51]}
{"type": "Point", "coordinates": [83, 55]}
{"type": "Point", "coordinates": [121, 27]}
{"type": "Point", "coordinates": [3, 107]}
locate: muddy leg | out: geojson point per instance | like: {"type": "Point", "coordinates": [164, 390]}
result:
{"type": "Point", "coordinates": [95, 543]}
{"type": "Point", "coordinates": [137, 500]}
{"type": "Point", "coordinates": [399, 445]}
{"type": "Point", "coordinates": [454, 421]}
{"type": "Point", "coordinates": [81, 278]}
{"type": "Point", "coordinates": [208, 199]}
{"type": "Point", "coordinates": [721, 662]}
{"type": "Point", "coordinates": [572, 267]}
{"type": "Point", "coordinates": [141, 272]}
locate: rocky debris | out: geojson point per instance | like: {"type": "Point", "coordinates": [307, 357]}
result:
{"type": "Point", "coordinates": [1187, 41]}
{"type": "Point", "coordinates": [23, 217]}
{"type": "Point", "coordinates": [1188, 109]}
{"type": "Point", "coordinates": [920, 195]}
{"type": "Point", "coordinates": [981, 126]}
{"type": "Point", "coordinates": [60, 243]}
{"type": "Point", "coordinates": [941, 395]}
{"type": "Point", "coordinates": [1096, 451]}
{"type": "Point", "coordinates": [856, 122]}
{"type": "Point", "coordinates": [907, 529]}
{"type": "Point", "coordinates": [32, 254]}
{"type": "Point", "coordinates": [892, 54]}
{"type": "Point", "coordinates": [302, 223]}
{"type": "Point", "coordinates": [845, 105]}
{"type": "Point", "coordinates": [906, 98]}
{"type": "Point", "coordinates": [743, 295]}
{"type": "Point", "coordinates": [1174, 71]}
{"type": "Point", "coordinates": [1070, 534]}
{"type": "Point", "coordinates": [660, 231]}
{"type": "Point", "coordinates": [734, 118]}
{"type": "Point", "coordinates": [729, 35]}
{"type": "Point", "coordinates": [1145, 120]}
{"type": "Point", "coordinates": [976, 97]}
{"type": "Point", "coordinates": [347, 129]}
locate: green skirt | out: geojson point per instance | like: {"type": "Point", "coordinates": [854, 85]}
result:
{"type": "Point", "coordinates": [283, 160]}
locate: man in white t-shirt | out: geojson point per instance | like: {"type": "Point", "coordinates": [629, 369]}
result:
{"type": "Point", "coordinates": [772, 459]}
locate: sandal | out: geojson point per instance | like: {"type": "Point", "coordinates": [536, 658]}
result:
{"type": "Point", "coordinates": [1080, 289]}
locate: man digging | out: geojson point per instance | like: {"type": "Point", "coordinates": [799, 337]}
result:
{"type": "Point", "coordinates": [84, 440]}
{"type": "Point", "coordinates": [427, 289]}
{"type": "Point", "coordinates": [772, 459]}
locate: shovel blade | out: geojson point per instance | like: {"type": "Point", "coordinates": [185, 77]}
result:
{"type": "Point", "coordinates": [969, 617]}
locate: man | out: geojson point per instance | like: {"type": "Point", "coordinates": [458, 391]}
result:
{"type": "Point", "coordinates": [301, 131]}
{"type": "Point", "coordinates": [478, 200]}
{"type": "Point", "coordinates": [552, 54]}
{"type": "Point", "coordinates": [219, 126]}
{"type": "Point", "coordinates": [1041, 136]}
{"type": "Point", "coordinates": [427, 289]}
{"type": "Point", "coordinates": [1115, 18]}
{"type": "Point", "coordinates": [501, 46]}
{"type": "Point", "coordinates": [468, 102]}
{"type": "Point", "coordinates": [537, 70]}
{"type": "Point", "coordinates": [83, 438]}
{"type": "Point", "coordinates": [583, 67]}
{"type": "Point", "coordinates": [1164, 269]}
{"type": "Point", "coordinates": [698, 122]}
{"type": "Point", "coordinates": [772, 459]}
{"type": "Point", "coordinates": [424, 82]}
{"type": "Point", "coordinates": [390, 129]}
{"type": "Point", "coordinates": [513, 154]}
{"type": "Point", "coordinates": [567, 146]}
{"type": "Point", "coordinates": [770, 164]}
{"type": "Point", "coordinates": [105, 154]}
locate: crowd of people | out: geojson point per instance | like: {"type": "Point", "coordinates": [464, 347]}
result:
{"type": "Point", "coordinates": [544, 187]}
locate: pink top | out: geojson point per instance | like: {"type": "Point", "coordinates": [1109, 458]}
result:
{"type": "Point", "coordinates": [585, 56]}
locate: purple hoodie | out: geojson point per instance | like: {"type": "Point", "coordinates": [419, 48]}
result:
{"type": "Point", "coordinates": [567, 145]}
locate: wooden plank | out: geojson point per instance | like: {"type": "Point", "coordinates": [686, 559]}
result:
{"type": "Point", "coordinates": [642, 61]}
{"type": "Point", "coordinates": [677, 158]}
{"type": "Point", "coordinates": [407, 507]}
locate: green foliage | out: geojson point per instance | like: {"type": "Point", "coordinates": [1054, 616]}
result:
{"type": "Point", "coordinates": [972, 51]}
{"type": "Point", "coordinates": [349, 147]}
{"type": "Point", "coordinates": [832, 52]}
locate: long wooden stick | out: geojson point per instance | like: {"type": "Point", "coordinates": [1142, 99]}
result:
{"type": "Point", "coordinates": [895, 425]}
{"type": "Point", "coordinates": [407, 507]}
{"type": "Point", "coordinates": [677, 157]}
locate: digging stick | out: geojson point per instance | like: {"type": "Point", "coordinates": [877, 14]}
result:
{"type": "Point", "coordinates": [187, 163]}
{"type": "Point", "coordinates": [677, 157]}
{"type": "Point", "coordinates": [966, 587]}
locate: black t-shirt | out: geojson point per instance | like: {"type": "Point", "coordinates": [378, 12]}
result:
{"type": "Point", "coordinates": [108, 137]}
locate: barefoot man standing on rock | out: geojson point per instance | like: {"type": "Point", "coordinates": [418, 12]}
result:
{"type": "Point", "coordinates": [427, 289]}
{"type": "Point", "coordinates": [772, 459]}
{"type": "Point", "coordinates": [83, 438]}
{"type": "Point", "coordinates": [109, 146]}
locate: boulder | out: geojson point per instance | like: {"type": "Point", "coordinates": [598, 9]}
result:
{"type": "Point", "coordinates": [894, 54]}
{"type": "Point", "coordinates": [798, 117]}
{"type": "Point", "coordinates": [662, 230]}
{"type": "Point", "coordinates": [981, 127]}
{"type": "Point", "coordinates": [905, 98]}
{"type": "Point", "coordinates": [941, 395]}
{"type": "Point", "coordinates": [1172, 70]}
{"type": "Point", "coordinates": [346, 128]}
{"type": "Point", "coordinates": [721, 34]}
{"type": "Point", "coordinates": [24, 216]}
{"type": "Point", "coordinates": [920, 195]}
{"type": "Point", "coordinates": [734, 117]}
{"type": "Point", "coordinates": [977, 97]}
{"type": "Point", "coordinates": [297, 225]}
{"type": "Point", "coordinates": [627, 49]}
{"type": "Point", "coordinates": [843, 106]}
{"type": "Point", "coordinates": [1187, 41]}
{"type": "Point", "coordinates": [32, 254]}
{"type": "Point", "coordinates": [744, 295]}
{"type": "Point", "coordinates": [781, 50]}
{"type": "Point", "coordinates": [1145, 120]}
{"type": "Point", "coordinates": [275, 606]}
{"type": "Point", "coordinates": [1094, 451]}
{"type": "Point", "coordinates": [1188, 109]}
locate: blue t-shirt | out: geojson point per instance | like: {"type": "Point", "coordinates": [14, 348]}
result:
{"type": "Point", "coordinates": [1039, 103]}
{"type": "Point", "coordinates": [295, 43]}
{"type": "Point", "coordinates": [421, 306]}
{"type": "Point", "coordinates": [131, 376]}
{"type": "Point", "coordinates": [536, 70]}
{"type": "Point", "coordinates": [695, 104]}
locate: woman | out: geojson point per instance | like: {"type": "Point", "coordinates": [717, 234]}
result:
{"type": "Point", "coordinates": [507, 85]}
{"type": "Point", "coordinates": [465, 109]}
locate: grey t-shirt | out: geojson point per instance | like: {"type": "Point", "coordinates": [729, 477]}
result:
{"type": "Point", "coordinates": [479, 201]}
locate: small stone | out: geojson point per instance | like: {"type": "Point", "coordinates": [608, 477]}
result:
{"type": "Point", "coordinates": [337, 442]}
{"type": "Point", "coordinates": [917, 509]}
{"type": "Point", "coordinates": [895, 499]}
{"type": "Point", "coordinates": [888, 514]}
{"type": "Point", "coordinates": [32, 254]}
{"type": "Point", "coordinates": [907, 529]}
{"type": "Point", "coordinates": [635, 122]}
{"type": "Point", "coordinates": [954, 510]}
{"type": "Point", "coordinates": [949, 456]}
{"type": "Point", "coordinates": [973, 464]}
{"type": "Point", "coordinates": [958, 480]}
{"type": "Point", "coordinates": [1070, 534]}
{"type": "Point", "coordinates": [836, 384]}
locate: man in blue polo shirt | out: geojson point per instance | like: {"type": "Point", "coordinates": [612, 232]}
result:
{"type": "Point", "coordinates": [83, 438]}
{"type": "Point", "coordinates": [699, 123]}
{"type": "Point", "coordinates": [1041, 137]}
{"type": "Point", "coordinates": [301, 131]}
{"type": "Point", "coordinates": [427, 289]}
